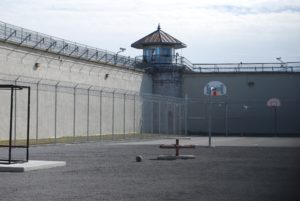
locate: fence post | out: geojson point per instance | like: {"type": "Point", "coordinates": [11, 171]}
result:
{"type": "Point", "coordinates": [226, 119]}
{"type": "Point", "coordinates": [152, 116]}
{"type": "Point", "coordinates": [37, 112]}
{"type": "Point", "coordinates": [180, 118]}
{"type": "Point", "coordinates": [113, 115]}
{"type": "Point", "coordinates": [174, 124]}
{"type": "Point", "coordinates": [15, 113]}
{"type": "Point", "coordinates": [124, 119]}
{"type": "Point", "coordinates": [10, 123]}
{"type": "Point", "coordinates": [100, 117]}
{"type": "Point", "coordinates": [88, 115]}
{"type": "Point", "coordinates": [134, 114]}
{"type": "Point", "coordinates": [167, 117]}
{"type": "Point", "coordinates": [55, 113]}
{"type": "Point", "coordinates": [185, 114]}
{"type": "Point", "coordinates": [159, 102]}
{"type": "Point", "coordinates": [74, 113]}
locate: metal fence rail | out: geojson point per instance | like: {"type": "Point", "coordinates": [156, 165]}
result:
{"type": "Point", "coordinates": [27, 38]}
{"type": "Point", "coordinates": [247, 67]}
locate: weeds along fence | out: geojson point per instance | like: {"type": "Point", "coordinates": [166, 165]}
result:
{"type": "Point", "coordinates": [77, 112]}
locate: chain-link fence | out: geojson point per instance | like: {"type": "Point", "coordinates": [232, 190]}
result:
{"type": "Point", "coordinates": [62, 111]}
{"type": "Point", "coordinates": [223, 116]}
{"type": "Point", "coordinates": [76, 112]}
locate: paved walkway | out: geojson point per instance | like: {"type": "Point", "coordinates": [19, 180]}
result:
{"type": "Point", "coordinates": [226, 141]}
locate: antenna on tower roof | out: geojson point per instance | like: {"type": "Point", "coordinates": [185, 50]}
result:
{"type": "Point", "coordinates": [158, 27]}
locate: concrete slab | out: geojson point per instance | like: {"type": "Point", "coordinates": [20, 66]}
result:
{"type": "Point", "coordinates": [171, 157]}
{"type": "Point", "coordinates": [31, 165]}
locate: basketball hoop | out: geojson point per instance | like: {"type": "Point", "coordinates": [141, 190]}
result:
{"type": "Point", "coordinates": [215, 88]}
{"type": "Point", "coordinates": [273, 102]}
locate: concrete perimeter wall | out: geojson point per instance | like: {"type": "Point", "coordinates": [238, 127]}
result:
{"type": "Point", "coordinates": [16, 60]}
{"type": "Point", "coordinates": [69, 97]}
{"type": "Point", "coordinates": [243, 110]}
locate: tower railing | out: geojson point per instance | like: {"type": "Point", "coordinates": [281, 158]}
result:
{"type": "Point", "coordinates": [164, 61]}
{"type": "Point", "coordinates": [31, 39]}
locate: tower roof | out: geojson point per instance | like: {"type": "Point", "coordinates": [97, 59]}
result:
{"type": "Point", "coordinates": [158, 37]}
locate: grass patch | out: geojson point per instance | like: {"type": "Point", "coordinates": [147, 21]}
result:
{"type": "Point", "coordinates": [78, 139]}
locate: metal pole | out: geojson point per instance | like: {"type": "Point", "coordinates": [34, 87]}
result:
{"type": "Point", "coordinates": [159, 117]}
{"type": "Point", "coordinates": [28, 125]}
{"type": "Point", "coordinates": [113, 115]}
{"type": "Point", "coordinates": [74, 113]}
{"type": "Point", "coordinates": [55, 113]}
{"type": "Point", "coordinates": [37, 112]}
{"type": "Point", "coordinates": [185, 114]}
{"type": "Point", "coordinates": [134, 114]}
{"type": "Point", "coordinates": [141, 122]}
{"type": "Point", "coordinates": [15, 113]}
{"type": "Point", "coordinates": [174, 124]}
{"type": "Point", "coordinates": [152, 117]}
{"type": "Point", "coordinates": [100, 109]}
{"type": "Point", "coordinates": [209, 121]}
{"type": "Point", "coordinates": [179, 118]}
{"type": "Point", "coordinates": [275, 120]}
{"type": "Point", "coordinates": [167, 118]}
{"type": "Point", "coordinates": [124, 122]}
{"type": "Point", "coordinates": [226, 119]}
{"type": "Point", "coordinates": [15, 118]}
{"type": "Point", "coordinates": [10, 123]}
{"type": "Point", "coordinates": [177, 147]}
{"type": "Point", "coordinates": [88, 115]}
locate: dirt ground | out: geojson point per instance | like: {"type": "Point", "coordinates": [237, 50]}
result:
{"type": "Point", "coordinates": [108, 171]}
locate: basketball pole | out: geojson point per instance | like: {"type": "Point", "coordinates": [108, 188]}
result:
{"type": "Point", "coordinates": [212, 90]}
{"type": "Point", "coordinates": [275, 120]}
{"type": "Point", "coordinates": [209, 122]}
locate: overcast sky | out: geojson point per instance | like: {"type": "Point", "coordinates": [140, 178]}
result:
{"type": "Point", "coordinates": [214, 30]}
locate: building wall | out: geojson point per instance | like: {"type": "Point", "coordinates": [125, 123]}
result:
{"type": "Point", "coordinates": [69, 97]}
{"type": "Point", "coordinates": [16, 60]}
{"type": "Point", "coordinates": [167, 83]}
{"type": "Point", "coordinates": [243, 110]}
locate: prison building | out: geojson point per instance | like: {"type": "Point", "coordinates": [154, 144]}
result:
{"type": "Point", "coordinates": [83, 91]}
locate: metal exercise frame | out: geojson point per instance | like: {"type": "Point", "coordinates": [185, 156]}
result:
{"type": "Point", "coordinates": [10, 145]}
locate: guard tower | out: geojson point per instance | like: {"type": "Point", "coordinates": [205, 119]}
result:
{"type": "Point", "coordinates": [160, 59]}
